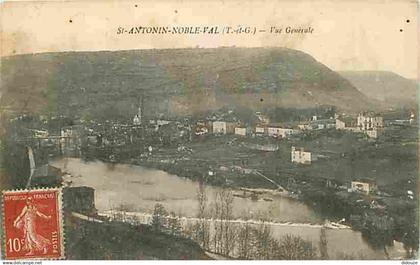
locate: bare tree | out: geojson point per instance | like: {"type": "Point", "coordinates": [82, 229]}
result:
{"type": "Point", "coordinates": [224, 232]}
{"type": "Point", "coordinates": [215, 213]}
{"type": "Point", "coordinates": [228, 236]}
{"type": "Point", "coordinates": [244, 240]}
{"type": "Point", "coordinates": [202, 228]}
{"type": "Point", "coordinates": [263, 242]}
{"type": "Point", "coordinates": [295, 248]}
{"type": "Point", "coordinates": [323, 244]}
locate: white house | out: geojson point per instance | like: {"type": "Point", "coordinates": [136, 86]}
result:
{"type": "Point", "coordinates": [304, 127]}
{"type": "Point", "coordinates": [363, 186]}
{"type": "Point", "coordinates": [369, 122]}
{"type": "Point", "coordinates": [279, 132]}
{"type": "Point", "coordinates": [219, 127]}
{"type": "Point", "coordinates": [259, 130]}
{"type": "Point", "coordinates": [339, 124]}
{"type": "Point", "coordinates": [299, 156]}
{"type": "Point", "coordinates": [240, 131]}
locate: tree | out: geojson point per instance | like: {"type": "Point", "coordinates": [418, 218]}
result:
{"type": "Point", "coordinates": [244, 240]}
{"type": "Point", "coordinates": [263, 242]}
{"type": "Point", "coordinates": [227, 235]}
{"type": "Point", "coordinates": [159, 218]}
{"type": "Point", "coordinates": [174, 225]}
{"type": "Point", "coordinates": [202, 228]}
{"type": "Point", "coordinates": [378, 230]}
{"type": "Point", "coordinates": [224, 232]}
{"type": "Point", "coordinates": [295, 248]}
{"type": "Point", "coordinates": [16, 164]}
{"type": "Point", "coordinates": [323, 244]}
{"type": "Point", "coordinates": [216, 227]}
{"type": "Point", "coordinates": [411, 241]}
{"type": "Point", "coordinates": [14, 154]}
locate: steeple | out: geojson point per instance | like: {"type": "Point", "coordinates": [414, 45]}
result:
{"type": "Point", "coordinates": [138, 117]}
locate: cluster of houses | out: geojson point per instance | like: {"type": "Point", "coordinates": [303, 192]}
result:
{"type": "Point", "coordinates": [226, 127]}
{"type": "Point", "coordinates": [369, 123]}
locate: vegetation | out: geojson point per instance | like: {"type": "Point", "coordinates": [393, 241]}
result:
{"type": "Point", "coordinates": [159, 220]}
{"type": "Point", "coordinates": [122, 241]}
{"type": "Point", "coordinates": [323, 244]}
{"type": "Point", "coordinates": [300, 114]}
{"type": "Point", "coordinates": [245, 240]}
{"type": "Point", "coordinates": [174, 225]}
{"type": "Point", "coordinates": [201, 230]}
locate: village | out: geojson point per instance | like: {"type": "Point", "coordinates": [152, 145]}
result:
{"type": "Point", "coordinates": [162, 140]}
{"type": "Point", "coordinates": [320, 160]}
{"type": "Point", "coordinates": [165, 141]}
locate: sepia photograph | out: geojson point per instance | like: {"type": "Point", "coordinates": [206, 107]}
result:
{"type": "Point", "coordinates": [173, 130]}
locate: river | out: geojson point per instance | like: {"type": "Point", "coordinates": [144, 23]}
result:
{"type": "Point", "coordinates": [138, 189]}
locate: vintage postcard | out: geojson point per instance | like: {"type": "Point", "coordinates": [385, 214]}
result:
{"type": "Point", "coordinates": [209, 130]}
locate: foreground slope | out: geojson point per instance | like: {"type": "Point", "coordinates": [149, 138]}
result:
{"type": "Point", "coordinates": [117, 240]}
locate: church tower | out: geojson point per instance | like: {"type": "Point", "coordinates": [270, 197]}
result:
{"type": "Point", "coordinates": [138, 117]}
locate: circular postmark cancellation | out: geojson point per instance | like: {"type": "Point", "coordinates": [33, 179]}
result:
{"type": "Point", "coordinates": [32, 224]}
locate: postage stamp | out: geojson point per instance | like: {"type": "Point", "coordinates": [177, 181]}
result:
{"type": "Point", "coordinates": [32, 224]}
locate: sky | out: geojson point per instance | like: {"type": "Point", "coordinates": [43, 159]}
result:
{"type": "Point", "coordinates": [348, 34]}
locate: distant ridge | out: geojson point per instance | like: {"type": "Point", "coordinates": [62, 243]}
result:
{"type": "Point", "coordinates": [174, 81]}
{"type": "Point", "coordinates": [389, 88]}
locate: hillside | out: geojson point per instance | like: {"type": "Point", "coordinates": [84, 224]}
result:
{"type": "Point", "coordinates": [176, 81]}
{"type": "Point", "coordinates": [387, 87]}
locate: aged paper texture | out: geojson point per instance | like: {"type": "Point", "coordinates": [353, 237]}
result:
{"type": "Point", "coordinates": [250, 130]}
